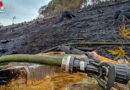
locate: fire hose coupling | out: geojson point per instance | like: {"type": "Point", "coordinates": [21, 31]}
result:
{"type": "Point", "coordinates": [122, 73]}
{"type": "Point", "coordinates": [68, 64]}
{"type": "Point", "coordinates": [65, 63]}
{"type": "Point", "coordinates": [114, 72]}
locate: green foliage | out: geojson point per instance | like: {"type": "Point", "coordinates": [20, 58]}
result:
{"type": "Point", "coordinates": [124, 0]}
{"type": "Point", "coordinates": [120, 1]}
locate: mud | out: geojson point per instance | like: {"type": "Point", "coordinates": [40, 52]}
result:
{"type": "Point", "coordinates": [96, 25]}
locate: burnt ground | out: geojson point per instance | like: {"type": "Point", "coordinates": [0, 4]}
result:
{"type": "Point", "coordinates": [96, 25]}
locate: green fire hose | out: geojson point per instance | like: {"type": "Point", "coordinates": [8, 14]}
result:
{"type": "Point", "coordinates": [31, 58]}
{"type": "Point", "coordinates": [50, 60]}
{"type": "Point", "coordinates": [93, 67]}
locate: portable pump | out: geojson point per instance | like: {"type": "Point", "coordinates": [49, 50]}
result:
{"type": "Point", "coordinates": [93, 67]}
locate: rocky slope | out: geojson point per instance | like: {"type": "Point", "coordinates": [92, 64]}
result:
{"type": "Point", "coordinates": [95, 25]}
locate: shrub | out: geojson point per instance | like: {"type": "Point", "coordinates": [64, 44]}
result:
{"type": "Point", "coordinates": [58, 6]}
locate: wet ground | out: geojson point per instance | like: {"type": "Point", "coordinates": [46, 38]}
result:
{"type": "Point", "coordinates": [96, 25]}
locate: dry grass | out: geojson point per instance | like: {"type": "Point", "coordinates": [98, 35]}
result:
{"type": "Point", "coordinates": [55, 82]}
{"type": "Point", "coordinates": [119, 52]}
{"type": "Point", "coordinates": [125, 33]}
{"type": "Point", "coordinates": [58, 6]}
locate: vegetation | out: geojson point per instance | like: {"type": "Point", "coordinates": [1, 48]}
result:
{"type": "Point", "coordinates": [125, 33]}
{"type": "Point", "coordinates": [119, 52]}
{"type": "Point", "coordinates": [124, 0]}
{"type": "Point", "coordinates": [57, 6]}
{"type": "Point", "coordinates": [120, 1]}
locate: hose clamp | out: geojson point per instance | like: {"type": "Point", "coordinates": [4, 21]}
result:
{"type": "Point", "coordinates": [65, 63]}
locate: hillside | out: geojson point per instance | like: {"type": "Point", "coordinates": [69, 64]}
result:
{"type": "Point", "coordinates": [58, 6]}
{"type": "Point", "coordinates": [95, 25]}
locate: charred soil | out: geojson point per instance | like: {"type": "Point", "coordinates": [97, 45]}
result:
{"type": "Point", "coordinates": [95, 25]}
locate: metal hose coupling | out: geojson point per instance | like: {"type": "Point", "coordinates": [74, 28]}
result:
{"type": "Point", "coordinates": [72, 64]}
{"type": "Point", "coordinates": [122, 74]}
{"type": "Point", "coordinates": [114, 72]}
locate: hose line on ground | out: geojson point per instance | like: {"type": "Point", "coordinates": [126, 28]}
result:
{"type": "Point", "coordinates": [31, 58]}
{"type": "Point", "coordinates": [90, 43]}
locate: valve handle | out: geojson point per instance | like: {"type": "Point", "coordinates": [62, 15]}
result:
{"type": "Point", "coordinates": [111, 77]}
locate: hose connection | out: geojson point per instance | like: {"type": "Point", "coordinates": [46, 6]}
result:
{"type": "Point", "coordinates": [93, 67]}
